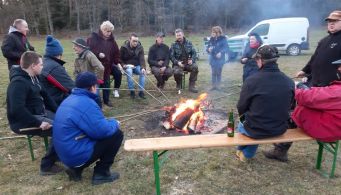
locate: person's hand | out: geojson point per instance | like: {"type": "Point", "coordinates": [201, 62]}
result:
{"type": "Point", "coordinates": [190, 62]}
{"type": "Point", "coordinates": [162, 70]}
{"type": "Point", "coordinates": [101, 55]}
{"type": "Point", "coordinates": [304, 79]}
{"type": "Point", "coordinates": [180, 64]}
{"type": "Point", "coordinates": [300, 74]}
{"type": "Point", "coordinates": [143, 71]}
{"type": "Point", "coordinates": [45, 126]}
{"type": "Point", "coordinates": [160, 62]}
{"type": "Point", "coordinates": [243, 60]}
{"type": "Point", "coordinates": [218, 55]}
{"type": "Point", "coordinates": [100, 81]}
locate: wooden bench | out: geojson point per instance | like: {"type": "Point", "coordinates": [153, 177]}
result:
{"type": "Point", "coordinates": [220, 140]}
{"type": "Point", "coordinates": [27, 132]}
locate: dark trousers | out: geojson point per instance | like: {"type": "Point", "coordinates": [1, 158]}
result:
{"type": "Point", "coordinates": [161, 78]}
{"type": "Point", "coordinates": [178, 72]}
{"type": "Point", "coordinates": [117, 75]}
{"type": "Point", "coordinates": [216, 73]}
{"type": "Point", "coordinates": [105, 151]}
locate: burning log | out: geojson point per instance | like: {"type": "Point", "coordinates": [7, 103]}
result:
{"type": "Point", "coordinates": [182, 119]}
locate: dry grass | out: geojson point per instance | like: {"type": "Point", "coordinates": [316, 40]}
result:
{"type": "Point", "coordinates": [200, 171]}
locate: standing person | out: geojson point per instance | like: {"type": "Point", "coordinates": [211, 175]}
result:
{"type": "Point", "coordinates": [82, 135]}
{"type": "Point", "coordinates": [264, 101]}
{"type": "Point", "coordinates": [28, 105]}
{"type": "Point", "coordinates": [158, 59]}
{"type": "Point", "coordinates": [15, 42]}
{"type": "Point", "coordinates": [132, 57]}
{"type": "Point", "coordinates": [217, 48]}
{"type": "Point", "coordinates": [55, 79]}
{"type": "Point", "coordinates": [319, 70]}
{"type": "Point", "coordinates": [183, 56]}
{"type": "Point", "coordinates": [250, 65]}
{"type": "Point", "coordinates": [104, 46]}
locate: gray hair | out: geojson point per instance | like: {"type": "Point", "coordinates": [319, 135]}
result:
{"type": "Point", "coordinates": [17, 22]}
{"type": "Point", "coordinates": [107, 25]}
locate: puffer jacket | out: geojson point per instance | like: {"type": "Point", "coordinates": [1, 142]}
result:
{"type": "Point", "coordinates": [134, 56]}
{"type": "Point", "coordinates": [80, 115]}
{"type": "Point", "coordinates": [176, 53]}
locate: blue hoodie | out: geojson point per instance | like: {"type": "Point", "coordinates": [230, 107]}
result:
{"type": "Point", "coordinates": [78, 115]}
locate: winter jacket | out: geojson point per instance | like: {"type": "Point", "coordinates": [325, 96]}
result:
{"type": "Point", "coordinates": [80, 115]}
{"type": "Point", "coordinates": [318, 111]}
{"type": "Point", "coordinates": [55, 79]}
{"type": "Point", "coordinates": [134, 56]}
{"type": "Point", "coordinates": [110, 49]}
{"type": "Point", "coordinates": [182, 52]}
{"type": "Point", "coordinates": [320, 66]}
{"type": "Point", "coordinates": [25, 98]}
{"type": "Point", "coordinates": [14, 45]}
{"type": "Point", "coordinates": [158, 52]}
{"type": "Point", "coordinates": [218, 45]}
{"type": "Point", "coordinates": [250, 66]}
{"type": "Point", "coordinates": [265, 102]}
{"type": "Point", "coordinates": [87, 61]}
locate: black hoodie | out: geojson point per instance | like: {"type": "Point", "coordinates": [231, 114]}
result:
{"type": "Point", "coordinates": [26, 98]}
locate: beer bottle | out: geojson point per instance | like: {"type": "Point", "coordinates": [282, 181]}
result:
{"type": "Point", "coordinates": [230, 125]}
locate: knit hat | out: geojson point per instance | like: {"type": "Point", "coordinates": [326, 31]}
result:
{"type": "Point", "coordinates": [266, 52]}
{"type": "Point", "coordinates": [81, 43]}
{"type": "Point", "coordinates": [53, 47]}
{"type": "Point", "coordinates": [86, 80]}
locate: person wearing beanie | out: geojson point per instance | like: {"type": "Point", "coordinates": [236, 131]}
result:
{"type": "Point", "coordinates": [82, 135]}
{"type": "Point", "coordinates": [264, 102]}
{"type": "Point", "coordinates": [87, 61]}
{"type": "Point", "coordinates": [54, 77]}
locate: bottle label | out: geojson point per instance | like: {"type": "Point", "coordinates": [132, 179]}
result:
{"type": "Point", "coordinates": [229, 130]}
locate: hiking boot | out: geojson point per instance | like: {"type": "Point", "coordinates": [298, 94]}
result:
{"type": "Point", "coordinates": [51, 170]}
{"type": "Point", "coordinates": [192, 87]}
{"type": "Point", "coordinates": [277, 154]}
{"type": "Point", "coordinates": [141, 95]}
{"type": "Point", "coordinates": [74, 174]}
{"type": "Point", "coordinates": [104, 178]}
{"type": "Point", "coordinates": [116, 94]}
{"type": "Point", "coordinates": [132, 94]}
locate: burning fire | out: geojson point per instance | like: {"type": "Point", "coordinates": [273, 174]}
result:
{"type": "Point", "coordinates": [187, 115]}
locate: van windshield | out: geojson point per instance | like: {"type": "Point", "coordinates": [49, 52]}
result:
{"type": "Point", "coordinates": [262, 29]}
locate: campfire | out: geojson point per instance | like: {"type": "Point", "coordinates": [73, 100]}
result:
{"type": "Point", "coordinates": [187, 116]}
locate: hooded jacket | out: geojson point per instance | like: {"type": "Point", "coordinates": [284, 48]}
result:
{"type": "Point", "coordinates": [265, 102]}
{"type": "Point", "coordinates": [25, 98]}
{"type": "Point", "coordinates": [79, 114]}
{"type": "Point", "coordinates": [318, 111]}
{"type": "Point", "coordinates": [134, 56]}
{"type": "Point", "coordinates": [320, 66]}
{"type": "Point", "coordinates": [55, 79]}
{"type": "Point", "coordinates": [14, 45]}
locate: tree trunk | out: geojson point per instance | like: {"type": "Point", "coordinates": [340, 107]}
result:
{"type": "Point", "coordinates": [47, 4]}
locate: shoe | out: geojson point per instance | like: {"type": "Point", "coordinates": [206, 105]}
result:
{"type": "Point", "coordinates": [240, 156]}
{"type": "Point", "coordinates": [116, 94]}
{"type": "Point", "coordinates": [106, 178]}
{"type": "Point", "coordinates": [277, 154]}
{"type": "Point", "coordinates": [132, 94]}
{"type": "Point", "coordinates": [141, 95]}
{"type": "Point", "coordinates": [192, 87]}
{"type": "Point", "coordinates": [51, 171]}
{"type": "Point", "coordinates": [109, 104]}
{"type": "Point", "coordinates": [74, 174]}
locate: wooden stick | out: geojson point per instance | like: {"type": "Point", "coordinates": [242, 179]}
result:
{"type": "Point", "coordinates": [30, 129]}
{"type": "Point", "coordinates": [13, 137]}
{"type": "Point", "coordinates": [127, 115]}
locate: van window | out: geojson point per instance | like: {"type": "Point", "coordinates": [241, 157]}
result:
{"type": "Point", "coordinates": [262, 29]}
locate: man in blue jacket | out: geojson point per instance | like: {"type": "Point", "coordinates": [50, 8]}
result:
{"type": "Point", "coordinates": [82, 135]}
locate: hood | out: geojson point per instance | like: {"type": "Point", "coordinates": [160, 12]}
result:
{"type": "Point", "coordinates": [12, 29]}
{"type": "Point", "coordinates": [16, 71]}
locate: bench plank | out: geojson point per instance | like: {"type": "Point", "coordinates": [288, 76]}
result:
{"type": "Point", "coordinates": [207, 141]}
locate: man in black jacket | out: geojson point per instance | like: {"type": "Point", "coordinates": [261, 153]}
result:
{"type": "Point", "coordinates": [15, 42]}
{"type": "Point", "coordinates": [158, 59]}
{"type": "Point", "coordinates": [26, 103]}
{"type": "Point", "coordinates": [320, 67]}
{"type": "Point", "coordinates": [265, 101]}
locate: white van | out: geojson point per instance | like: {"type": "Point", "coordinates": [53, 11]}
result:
{"type": "Point", "coordinates": [287, 34]}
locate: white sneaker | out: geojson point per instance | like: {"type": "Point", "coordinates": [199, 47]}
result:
{"type": "Point", "coordinates": [116, 94]}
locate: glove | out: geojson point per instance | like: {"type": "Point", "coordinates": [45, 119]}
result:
{"type": "Point", "coordinates": [99, 81]}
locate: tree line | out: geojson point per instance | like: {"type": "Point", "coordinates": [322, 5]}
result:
{"type": "Point", "coordinates": [149, 16]}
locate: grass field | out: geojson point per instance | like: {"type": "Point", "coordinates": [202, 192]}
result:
{"type": "Point", "coordinates": [200, 171]}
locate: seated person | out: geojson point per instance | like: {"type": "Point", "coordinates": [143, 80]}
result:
{"type": "Point", "coordinates": [26, 103]}
{"type": "Point", "coordinates": [82, 135]}
{"type": "Point", "coordinates": [264, 101]}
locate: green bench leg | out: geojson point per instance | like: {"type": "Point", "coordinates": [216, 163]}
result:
{"type": "Point", "coordinates": [46, 143]}
{"type": "Point", "coordinates": [333, 148]}
{"type": "Point", "coordinates": [29, 140]}
{"type": "Point", "coordinates": [156, 156]}
{"type": "Point", "coordinates": [183, 83]}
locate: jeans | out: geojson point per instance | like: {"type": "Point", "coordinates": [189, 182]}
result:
{"type": "Point", "coordinates": [137, 71]}
{"type": "Point", "coordinates": [216, 73]}
{"type": "Point", "coordinates": [249, 151]}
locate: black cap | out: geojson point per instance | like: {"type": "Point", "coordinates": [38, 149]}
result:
{"type": "Point", "coordinates": [160, 34]}
{"type": "Point", "coordinates": [266, 52]}
{"type": "Point", "coordinates": [81, 43]}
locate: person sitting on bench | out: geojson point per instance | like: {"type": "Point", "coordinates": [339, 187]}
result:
{"type": "Point", "coordinates": [26, 103]}
{"type": "Point", "coordinates": [265, 101]}
{"type": "Point", "coordinates": [82, 135]}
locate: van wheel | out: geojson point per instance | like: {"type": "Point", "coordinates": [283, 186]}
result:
{"type": "Point", "coordinates": [294, 50]}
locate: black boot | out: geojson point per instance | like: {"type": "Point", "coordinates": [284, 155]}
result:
{"type": "Point", "coordinates": [132, 94]}
{"type": "Point", "coordinates": [98, 178]}
{"type": "Point", "coordinates": [192, 87]}
{"type": "Point", "coordinates": [141, 95]}
{"type": "Point", "coordinates": [277, 154]}
{"type": "Point", "coordinates": [74, 174]}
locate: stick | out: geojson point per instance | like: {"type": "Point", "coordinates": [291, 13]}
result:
{"type": "Point", "coordinates": [158, 89]}
{"type": "Point", "coordinates": [13, 137]}
{"type": "Point", "coordinates": [146, 111]}
{"type": "Point", "coordinates": [30, 129]}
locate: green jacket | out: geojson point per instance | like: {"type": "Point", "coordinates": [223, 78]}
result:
{"type": "Point", "coordinates": [176, 51]}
